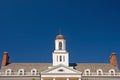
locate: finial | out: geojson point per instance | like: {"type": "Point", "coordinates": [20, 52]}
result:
{"type": "Point", "coordinates": [59, 31]}
{"type": "Point", "coordinates": [5, 51]}
{"type": "Point", "coordinates": [113, 52]}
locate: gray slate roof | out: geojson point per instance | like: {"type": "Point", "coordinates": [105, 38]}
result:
{"type": "Point", "coordinates": [26, 66]}
{"type": "Point", "coordinates": [44, 66]}
{"type": "Point", "coordinates": [94, 66]}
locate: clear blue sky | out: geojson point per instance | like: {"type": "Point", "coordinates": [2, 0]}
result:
{"type": "Point", "coordinates": [28, 29]}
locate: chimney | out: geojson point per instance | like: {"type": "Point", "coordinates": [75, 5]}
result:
{"type": "Point", "coordinates": [5, 59]}
{"type": "Point", "coordinates": [113, 59]}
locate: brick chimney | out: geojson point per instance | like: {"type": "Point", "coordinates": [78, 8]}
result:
{"type": "Point", "coordinates": [113, 59]}
{"type": "Point", "coordinates": [5, 59]}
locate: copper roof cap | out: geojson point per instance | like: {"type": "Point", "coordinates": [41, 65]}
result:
{"type": "Point", "coordinates": [60, 36]}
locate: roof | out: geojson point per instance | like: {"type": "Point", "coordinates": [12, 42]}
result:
{"type": "Point", "coordinates": [44, 66]}
{"type": "Point", "coordinates": [26, 66]}
{"type": "Point", "coordinates": [60, 36]}
{"type": "Point", "coordinates": [94, 66]}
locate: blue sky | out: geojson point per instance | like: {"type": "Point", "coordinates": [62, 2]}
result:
{"type": "Point", "coordinates": [28, 29]}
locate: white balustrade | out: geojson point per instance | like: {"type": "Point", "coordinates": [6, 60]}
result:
{"type": "Point", "coordinates": [104, 74]}
{"type": "Point", "coordinates": [17, 74]}
{"type": "Point", "coordinates": [38, 74]}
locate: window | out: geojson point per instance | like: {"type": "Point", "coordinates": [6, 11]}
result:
{"type": "Point", "coordinates": [8, 72]}
{"type": "Point", "coordinates": [33, 72]}
{"type": "Point", "coordinates": [87, 72]}
{"type": "Point", "coordinates": [60, 45]}
{"type": "Point", "coordinates": [21, 72]}
{"type": "Point", "coordinates": [60, 58]}
{"type": "Point", "coordinates": [112, 72]}
{"type": "Point", "coordinates": [99, 72]}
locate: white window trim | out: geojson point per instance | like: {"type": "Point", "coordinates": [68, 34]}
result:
{"type": "Point", "coordinates": [99, 70]}
{"type": "Point", "coordinates": [8, 73]}
{"type": "Point", "coordinates": [87, 70]}
{"type": "Point", "coordinates": [19, 72]}
{"type": "Point", "coordinates": [111, 71]}
{"type": "Point", "coordinates": [35, 71]}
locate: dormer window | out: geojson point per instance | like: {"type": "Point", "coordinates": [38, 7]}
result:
{"type": "Point", "coordinates": [8, 72]}
{"type": "Point", "coordinates": [33, 72]}
{"type": "Point", "coordinates": [99, 72]}
{"type": "Point", "coordinates": [21, 72]}
{"type": "Point", "coordinates": [87, 72]}
{"type": "Point", "coordinates": [112, 72]}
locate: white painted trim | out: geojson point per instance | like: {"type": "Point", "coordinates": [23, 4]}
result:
{"type": "Point", "coordinates": [61, 76]}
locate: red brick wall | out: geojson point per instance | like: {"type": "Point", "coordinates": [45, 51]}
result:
{"type": "Point", "coordinates": [113, 60]}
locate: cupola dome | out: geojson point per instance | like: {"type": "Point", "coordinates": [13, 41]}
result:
{"type": "Point", "coordinates": [60, 36]}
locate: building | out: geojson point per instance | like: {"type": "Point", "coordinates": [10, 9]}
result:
{"type": "Point", "coordinates": [60, 68]}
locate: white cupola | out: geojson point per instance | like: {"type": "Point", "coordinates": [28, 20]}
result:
{"type": "Point", "coordinates": [60, 55]}
{"type": "Point", "coordinates": [60, 43]}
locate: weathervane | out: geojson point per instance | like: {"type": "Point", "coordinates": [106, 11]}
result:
{"type": "Point", "coordinates": [60, 31]}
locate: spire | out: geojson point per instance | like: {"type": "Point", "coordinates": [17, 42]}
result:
{"type": "Point", "coordinates": [60, 31]}
{"type": "Point", "coordinates": [60, 36]}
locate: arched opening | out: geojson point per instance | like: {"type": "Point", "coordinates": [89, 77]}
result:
{"type": "Point", "coordinates": [60, 45]}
